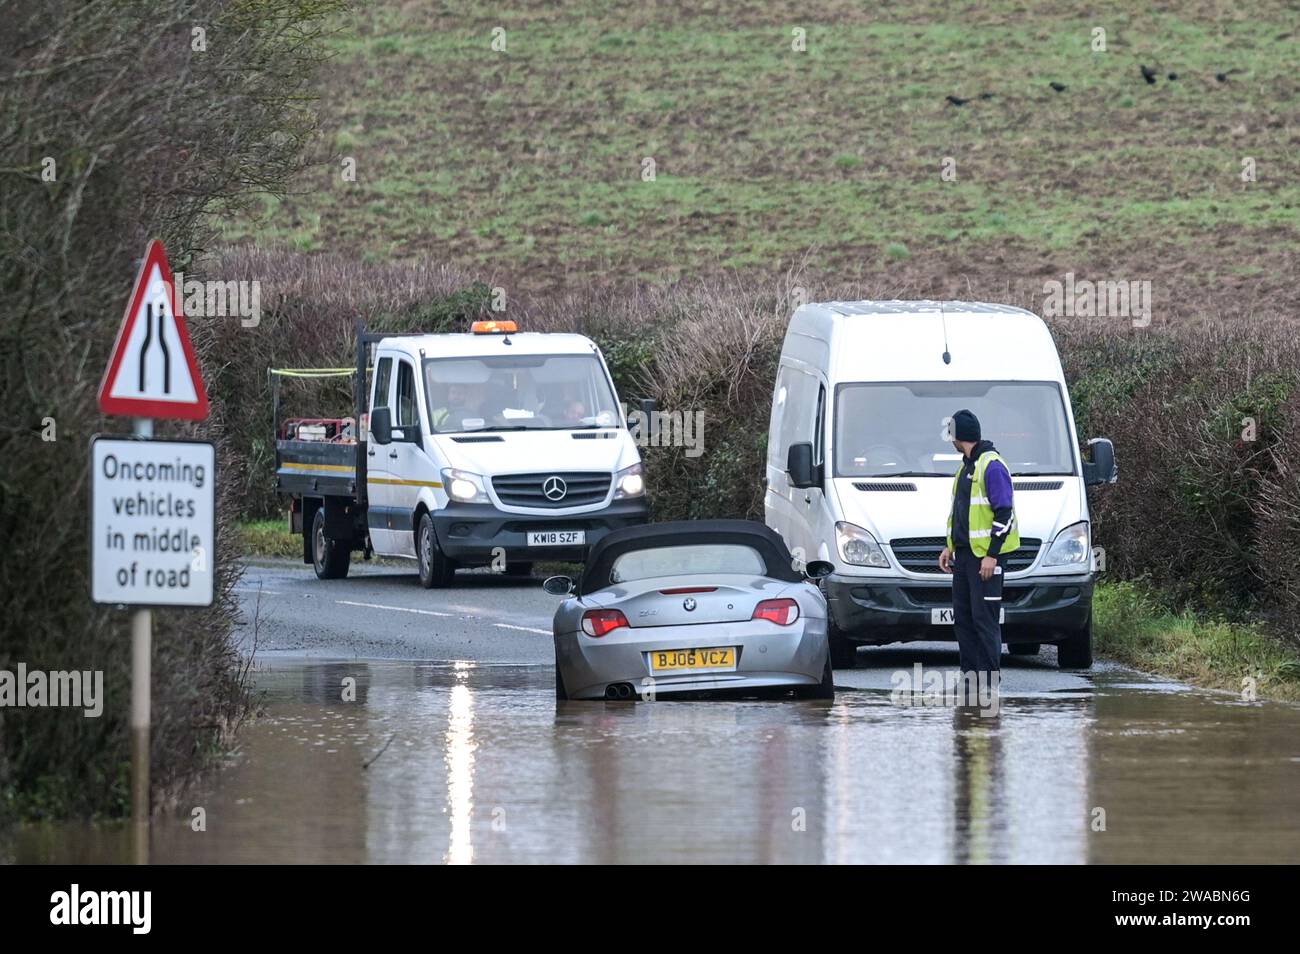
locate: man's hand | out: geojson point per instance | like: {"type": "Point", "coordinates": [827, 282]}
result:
{"type": "Point", "coordinates": [945, 560]}
{"type": "Point", "coordinates": [987, 566]}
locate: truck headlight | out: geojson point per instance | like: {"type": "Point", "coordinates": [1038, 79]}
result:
{"type": "Point", "coordinates": [858, 547]}
{"type": "Point", "coordinates": [629, 482]}
{"type": "Point", "coordinates": [1070, 546]}
{"type": "Point", "coordinates": [464, 487]}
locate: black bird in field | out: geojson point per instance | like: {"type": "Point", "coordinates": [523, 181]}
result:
{"type": "Point", "coordinates": [1059, 87]}
{"type": "Point", "coordinates": [957, 100]}
{"type": "Point", "coordinates": [1148, 74]}
{"type": "Point", "coordinates": [986, 95]}
{"type": "Point", "coordinates": [1223, 77]}
{"type": "Point", "coordinates": [1173, 76]}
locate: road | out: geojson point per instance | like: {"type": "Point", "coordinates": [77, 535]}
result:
{"type": "Point", "coordinates": [382, 613]}
{"type": "Point", "coordinates": [452, 748]}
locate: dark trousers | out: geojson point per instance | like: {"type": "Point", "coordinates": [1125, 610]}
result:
{"type": "Point", "coordinates": [976, 620]}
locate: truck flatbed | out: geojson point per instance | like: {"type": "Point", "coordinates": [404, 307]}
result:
{"type": "Point", "coordinates": [316, 468]}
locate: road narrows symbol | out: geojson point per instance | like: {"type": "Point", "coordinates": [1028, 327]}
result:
{"type": "Point", "coordinates": [153, 371]}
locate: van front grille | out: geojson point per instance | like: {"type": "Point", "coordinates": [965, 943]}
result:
{"type": "Point", "coordinates": [555, 489]}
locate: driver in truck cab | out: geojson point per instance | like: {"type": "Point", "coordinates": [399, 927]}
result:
{"type": "Point", "coordinates": [463, 401]}
{"type": "Point", "coordinates": [981, 530]}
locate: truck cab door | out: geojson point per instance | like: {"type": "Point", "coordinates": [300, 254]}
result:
{"type": "Point", "coordinates": [411, 469]}
{"type": "Point", "coordinates": [377, 460]}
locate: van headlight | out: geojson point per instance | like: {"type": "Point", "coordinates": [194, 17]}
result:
{"type": "Point", "coordinates": [858, 547]}
{"type": "Point", "coordinates": [463, 487]}
{"type": "Point", "coordinates": [1071, 546]}
{"type": "Point", "coordinates": [629, 482]}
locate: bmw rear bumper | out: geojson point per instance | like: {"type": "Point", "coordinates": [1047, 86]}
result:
{"type": "Point", "coordinates": [888, 610]}
{"type": "Point", "coordinates": [476, 533]}
{"type": "Point", "coordinates": [768, 656]}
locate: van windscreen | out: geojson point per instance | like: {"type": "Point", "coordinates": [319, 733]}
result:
{"type": "Point", "coordinates": [893, 429]}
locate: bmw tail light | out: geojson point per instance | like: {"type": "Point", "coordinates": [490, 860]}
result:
{"type": "Point", "coordinates": [783, 612]}
{"type": "Point", "coordinates": [601, 622]}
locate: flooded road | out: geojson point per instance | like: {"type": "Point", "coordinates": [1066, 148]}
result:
{"type": "Point", "coordinates": [472, 760]}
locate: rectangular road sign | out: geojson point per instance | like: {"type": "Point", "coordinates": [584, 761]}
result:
{"type": "Point", "coordinates": [152, 522]}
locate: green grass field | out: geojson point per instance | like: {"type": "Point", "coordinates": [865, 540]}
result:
{"type": "Point", "coordinates": [526, 165]}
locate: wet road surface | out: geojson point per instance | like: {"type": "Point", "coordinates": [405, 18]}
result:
{"type": "Point", "coordinates": [455, 750]}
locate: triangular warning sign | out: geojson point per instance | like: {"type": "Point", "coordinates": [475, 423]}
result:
{"type": "Point", "coordinates": [153, 371]}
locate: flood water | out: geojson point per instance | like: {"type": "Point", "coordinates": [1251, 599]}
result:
{"type": "Point", "coordinates": [464, 762]}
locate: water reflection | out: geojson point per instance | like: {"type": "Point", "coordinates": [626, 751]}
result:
{"type": "Point", "coordinates": [461, 763]}
{"type": "Point", "coordinates": [460, 770]}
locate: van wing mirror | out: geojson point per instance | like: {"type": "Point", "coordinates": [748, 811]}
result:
{"type": "Point", "coordinates": [381, 425]}
{"type": "Point", "coordinates": [799, 465]}
{"type": "Point", "coordinates": [1101, 469]}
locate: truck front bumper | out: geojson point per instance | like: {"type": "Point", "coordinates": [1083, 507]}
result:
{"type": "Point", "coordinates": [1044, 609]}
{"type": "Point", "coordinates": [477, 534]}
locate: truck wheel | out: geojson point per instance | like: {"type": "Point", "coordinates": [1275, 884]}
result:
{"type": "Point", "coordinates": [435, 568]}
{"type": "Point", "coordinates": [330, 557]}
{"type": "Point", "coordinates": [1075, 651]}
{"type": "Point", "coordinates": [1024, 649]}
{"type": "Point", "coordinates": [844, 652]}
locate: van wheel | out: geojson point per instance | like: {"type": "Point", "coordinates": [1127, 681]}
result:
{"type": "Point", "coordinates": [844, 652]}
{"type": "Point", "coordinates": [435, 568]}
{"type": "Point", "coordinates": [1024, 649]}
{"type": "Point", "coordinates": [1075, 651]}
{"type": "Point", "coordinates": [329, 557]}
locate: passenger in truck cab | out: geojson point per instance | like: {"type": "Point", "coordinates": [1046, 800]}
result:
{"type": "Point", "coordinates": [564, 406]}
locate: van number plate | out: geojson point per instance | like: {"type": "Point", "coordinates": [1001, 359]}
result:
{"type": "Point", "coordinates": [556, 538]}
{"type": "Point", "coordinates": [943, 616]}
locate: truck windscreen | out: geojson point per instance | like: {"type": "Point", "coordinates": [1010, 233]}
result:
{"type": "Point", "coordinates": [518, 392]}
{"type": "Point", "coordinates": [891, 429]}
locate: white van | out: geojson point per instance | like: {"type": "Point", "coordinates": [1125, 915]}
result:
{"type": "Point", "coordinates": [859, 472]}
{"type": "Point", "coordinates": [488, 448]}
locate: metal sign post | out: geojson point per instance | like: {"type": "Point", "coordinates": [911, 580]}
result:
{"type": "Point", "coordinates": [141, 682]}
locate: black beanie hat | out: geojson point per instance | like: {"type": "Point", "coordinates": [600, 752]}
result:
{"type": "Point", "coordinates": [965, 426]}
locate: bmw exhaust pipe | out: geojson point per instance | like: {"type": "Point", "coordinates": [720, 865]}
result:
{"type": "Point", "coordinates": [619, 690]}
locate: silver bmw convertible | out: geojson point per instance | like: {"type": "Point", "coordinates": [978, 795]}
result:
{"type": "Point", "coordinates": [694, 607]}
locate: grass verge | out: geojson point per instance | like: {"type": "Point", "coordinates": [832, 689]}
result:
{"type": "Point", "coordinates": [269, 538]}
{"type": "Point", "coordinates": [1133, 627]}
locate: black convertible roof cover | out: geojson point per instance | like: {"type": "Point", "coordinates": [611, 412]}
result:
{"type": "Point", "coordinates": [750, 533]}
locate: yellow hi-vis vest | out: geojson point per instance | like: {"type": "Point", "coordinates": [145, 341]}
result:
{"type": "Point", "coordinates": [981, 511]}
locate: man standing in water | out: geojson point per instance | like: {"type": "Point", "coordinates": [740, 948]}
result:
{"type": "Point", "coordinates": [981, 531]}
